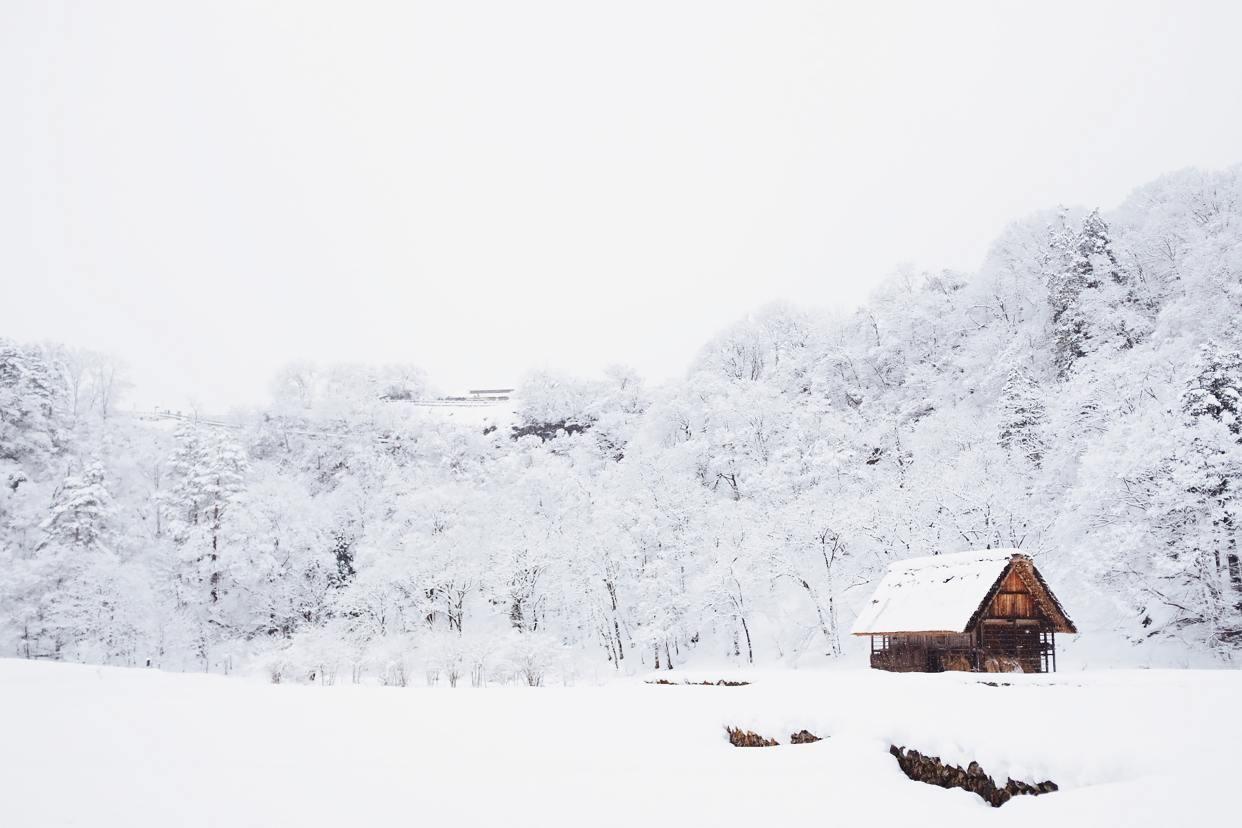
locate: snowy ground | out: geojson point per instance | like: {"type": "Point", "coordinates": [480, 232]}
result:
{"type": "Point", "coordinates": [106, 746]}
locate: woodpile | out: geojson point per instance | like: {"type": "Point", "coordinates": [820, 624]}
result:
{"type": "Point", "coordinates": [973, 778]}
{"type": "Point", "coordinates": [1002, 664]}
{"type": "Point", "coordinates": [957, 662]}
{"type": "Point", "coordinates": [747, 738]}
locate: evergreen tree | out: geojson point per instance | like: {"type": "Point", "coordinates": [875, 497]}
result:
{"type": "Point", "coordinates": [1215, 390]}
{"type": "Point", "coordinates": [1083, 261]}
{"type": "Point", "coordinates": [183, 497]}
{"type": "Point", "coordinates": [208, 472]}
{"type": "Point", "coordinates": [1214, 467]}
{"type": "Point", "coordinates": [81, 512]}
{"type": "Point", "coordinates": [223, 479]}
{"type": "Point", "coordinates": [1095, 261]}
{"type": "Point", "coordinates": [29, 395]}
{"type": "Point", "coordinates": [1022, 417]}
{"type": "Point", "coordinates": [77, 543]}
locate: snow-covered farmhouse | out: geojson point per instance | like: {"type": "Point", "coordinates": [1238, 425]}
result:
{"type": "Point", "coordinates": [987, 611]}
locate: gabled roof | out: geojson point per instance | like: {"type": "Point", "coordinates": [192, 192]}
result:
{"type": "Point", "coordinates": [948, 593]}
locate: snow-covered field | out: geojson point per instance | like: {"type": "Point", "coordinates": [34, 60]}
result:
{"type": "Point", "coordinates": [105, 746]}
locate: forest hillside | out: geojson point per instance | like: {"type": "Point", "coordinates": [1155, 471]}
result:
{"type": "Point", "coordinates": [1078, 397]}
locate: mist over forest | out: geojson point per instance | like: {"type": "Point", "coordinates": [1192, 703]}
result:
{"type": "Point", "coordinates": [1077, 398]}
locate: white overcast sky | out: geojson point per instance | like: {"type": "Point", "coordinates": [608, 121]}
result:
{"type": "Point", "coordinates": [209, 190]}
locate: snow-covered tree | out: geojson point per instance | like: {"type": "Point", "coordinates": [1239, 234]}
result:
{"type": "Point", "coordinates": [1215, 390]}
{"type": "Point", "coordinates": [29, 398]}
{"type": "Point", "coordinates": [81, 511]}
{"type": "Point", "coordinates": [1022, 417]}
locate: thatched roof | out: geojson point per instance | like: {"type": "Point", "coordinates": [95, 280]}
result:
{"type": "Point", "coordinates": [949, 593]}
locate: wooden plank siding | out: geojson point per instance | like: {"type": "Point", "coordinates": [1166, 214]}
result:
{"type": "Point", "coordinates": [1014, 600]}
{"type": "Point", "coordinates": [1013, 605]}
{"type": "Point", "coordinates": [1014, 625]}
{"type": "Point", "coordinates": [1023, 640]}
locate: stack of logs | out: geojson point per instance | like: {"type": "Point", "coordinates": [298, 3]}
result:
{"type": "Point", "coordinates": [973, 778]}
{"type": "Point", "coordinates": [748, 738]}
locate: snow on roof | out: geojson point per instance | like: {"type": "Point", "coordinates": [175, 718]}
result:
{"type": "Point", "coordinates": [939, 593]}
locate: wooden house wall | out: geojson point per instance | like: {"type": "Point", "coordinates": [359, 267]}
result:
{"type": "Point", "coordinates": [1014, 600]}
{"type": "Point", "coordinates": [1012, 624]}
{"type": "Point", "coordinates": [1017, 639]}
{"type": "Point", "coordinates": [920, 652]}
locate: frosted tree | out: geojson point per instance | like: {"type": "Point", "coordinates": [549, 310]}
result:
{"type": "Point", "coordinates": [605, 570]}
{"type": "Point", "coordinates": [809, 548]}
{"type": "Point", "coordinates": [75, 550]}
{"type": "Point", "coordinates": [1095, 259]}
{"type": "Point", "coordinates": [225, 479]}
{"type": "Point", "coordinates": [220, 479]}
{"type": "Point", "coordinates": [1083, 263]}
{"type": "Point", "coordinates": [182, 492]}
{"type": "Point", "coordinates": [75, 368]}
{"type": "Point", "coordinates": [662, 609]}
{"type": "Point", "coordinates": [81, 512]}
{"type": "Point", "coordinates": [1215, 461]}
{"type": "Point", "coordinates": [1095, 299]}
{"type": "Point", "coordinates": [207, 470]}
{"type": "Point", "coordinates": [108, 383]}
{"type": "Point", "coordinates": [1071, 276]}
{"type": "Point", "coordinates": [280, 558]}
{"type": "Point", "coordinates": [1022, 417]}
{"type": "Point", "coordinates": [726, 587]}
{"type": "Point", "coordinates": [1215, 390]}
{"type": "Point", "coordinates": [29, 428]}
{"type": "Point", "coordinates": [1193, 580]}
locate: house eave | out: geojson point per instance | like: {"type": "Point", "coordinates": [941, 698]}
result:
{"type": "Point", "coordinates": [910, 632]}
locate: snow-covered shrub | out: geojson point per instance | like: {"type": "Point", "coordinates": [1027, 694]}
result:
{"type": "Point", "coordinates": [392, 659]}
{"type": "Point", "coordinates": [444, 654]}
{"type": "Point", "coordinates": [479, 652]}
{"type": "Point", "coordinates": [316, 655]}
{"type": "Point", "coordinates": [532, 656]}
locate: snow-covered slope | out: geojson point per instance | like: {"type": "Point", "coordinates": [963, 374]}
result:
{"type": "Point", "coordinates": [108, 746]}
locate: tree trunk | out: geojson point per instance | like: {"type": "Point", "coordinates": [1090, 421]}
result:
{"type": "Point", "coordinates": [819, 613]}
{"type": "Point", "coordinates": [834, 640]}
{"type": "Point", "coordinates": [215, 556]}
